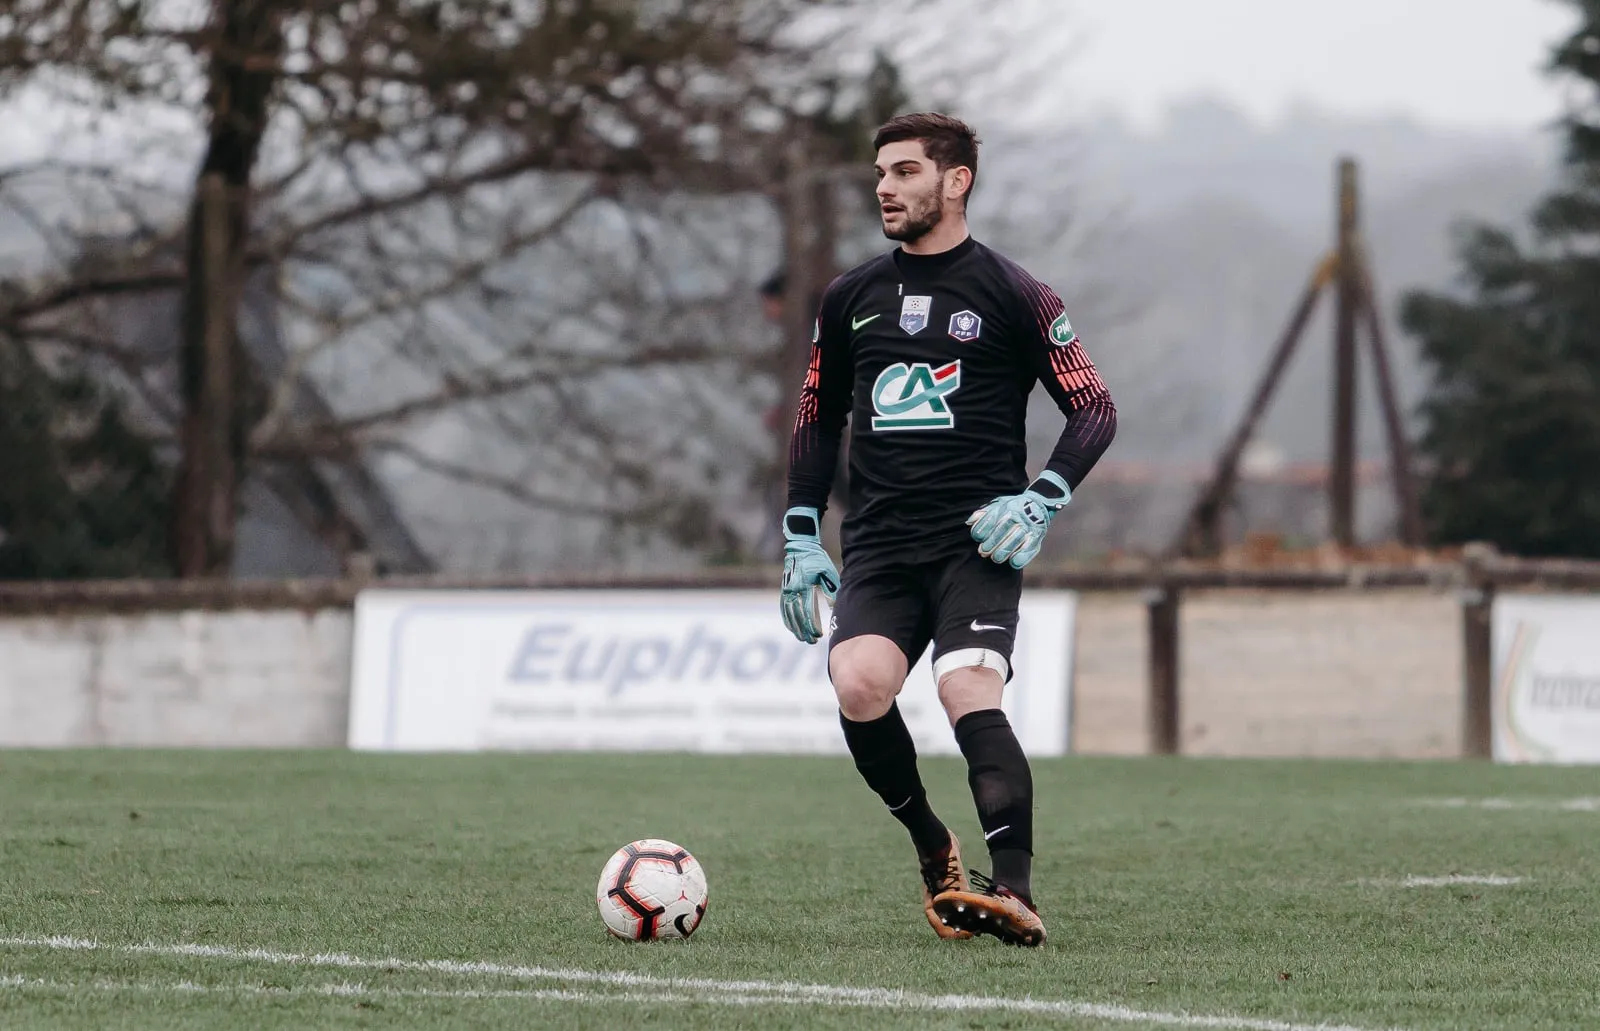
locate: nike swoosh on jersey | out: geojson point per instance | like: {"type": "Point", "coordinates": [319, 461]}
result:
{"type": "Point", "coordinates": [985, 626]}
{"type": "Point", "coordinates": [856, 323]}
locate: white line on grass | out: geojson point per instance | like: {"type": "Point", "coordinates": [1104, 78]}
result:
{"type": "Point", "coordinates": [700, 991]}
{"type": "Point", "coordinates": [1493, 880]}
{"type": "Point", "coordinates": [1565, 805]}
{"type": "Point", "coordinates": [347, 989]}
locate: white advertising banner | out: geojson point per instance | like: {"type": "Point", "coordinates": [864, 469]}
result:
{"type": "Point", "coordinates": [677, 670]}
{"type": "Point", "coordinates": [1546, 678]}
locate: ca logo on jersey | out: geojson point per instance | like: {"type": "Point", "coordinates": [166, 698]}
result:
{"type": "Point", "coordinates": [912, 397]}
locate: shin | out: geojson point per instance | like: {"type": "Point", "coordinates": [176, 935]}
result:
{"type": "Point", "coordinates": [867, 674]}
{"type": "Point", "coordinates": [970, 687]}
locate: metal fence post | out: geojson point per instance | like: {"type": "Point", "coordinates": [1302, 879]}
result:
{"type": "Point", "coordinates": [1477, 608]}
{"type": "Point", "coordinates": [1162, 608]}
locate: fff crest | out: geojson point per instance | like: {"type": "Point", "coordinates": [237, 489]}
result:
{"type": "Point", "coordinates": [965, 325]}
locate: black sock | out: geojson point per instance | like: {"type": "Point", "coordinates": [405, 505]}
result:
{"type": "Point", "coordinates": [1002, 787]}
{"type": "Point", "coordinates": [887, 758]}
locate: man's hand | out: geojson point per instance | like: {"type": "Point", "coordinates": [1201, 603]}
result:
{"type": "Point", "coordinates": [1011, 529]}
{"type": "Point", "coordinates": [808, 575]}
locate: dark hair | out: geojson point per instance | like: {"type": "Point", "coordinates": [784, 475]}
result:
{"type": "Point", "coordinates": [949, 142]}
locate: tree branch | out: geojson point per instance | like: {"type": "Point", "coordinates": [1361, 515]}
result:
{"type": "Point", "coordinates": [508, 487]}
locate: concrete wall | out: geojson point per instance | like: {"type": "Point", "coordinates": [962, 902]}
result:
{"type": "Point", "coordinates": [1365, 674]}
{"type": "Point", "coordinates": [1348, 674]}
{"type": "Point", "coordinates": [1358, 674]}
{"type": "Point", "coordinates": [1111, 677]}
{"type": "Point", "coordinates": [200, 679]}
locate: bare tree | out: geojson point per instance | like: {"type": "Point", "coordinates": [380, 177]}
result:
{"type": "Point", "coordinates": [454, 205]}
{"type": "Point", "coordinates": [507, 250]}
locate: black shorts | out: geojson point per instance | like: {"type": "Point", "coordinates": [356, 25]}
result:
{"type": "Point", "coordinates": [949, 596]}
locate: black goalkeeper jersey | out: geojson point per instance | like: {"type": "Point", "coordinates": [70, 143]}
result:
{"type": "Point", "coordinates": [932, 357]}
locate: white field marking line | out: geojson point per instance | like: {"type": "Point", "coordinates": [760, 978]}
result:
{"type": "Point", "coordinates": [702, 991]}
{"type": "Point", "coordinates": [1413, 881]}
{"type": "Point", "coordinates": [1565, 805]}
{"type": "Point", "coordinates": [347, 989]}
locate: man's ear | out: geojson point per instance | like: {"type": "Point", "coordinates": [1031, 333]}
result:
{"type": "Point", "coordinates": [956, 181]}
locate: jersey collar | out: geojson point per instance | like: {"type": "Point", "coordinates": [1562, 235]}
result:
{"type": "Point", "coordinates": [915, 264]}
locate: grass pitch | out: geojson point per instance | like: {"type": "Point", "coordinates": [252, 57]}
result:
{"type": "Point", "coordinates": [328, 889]}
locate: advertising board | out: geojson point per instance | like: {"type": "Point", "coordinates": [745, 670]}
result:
{"type": "Point", "coordinates": [675, 670]}
{"type": "Point", "coordinates": [1546, 662]}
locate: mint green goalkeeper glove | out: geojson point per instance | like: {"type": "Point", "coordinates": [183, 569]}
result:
{"type": "Point", "coordinates": [808, 574]}
{"type": "Point", "coordinates": [1011, 529]}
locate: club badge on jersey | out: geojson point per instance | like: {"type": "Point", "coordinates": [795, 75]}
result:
{"type": "Point", "coordinates": [914, 312]}
{"type": "Point", "coordinates": [965, 326]}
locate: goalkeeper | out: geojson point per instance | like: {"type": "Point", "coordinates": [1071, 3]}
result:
{"type": "Point", "coordinates": [932, 349]}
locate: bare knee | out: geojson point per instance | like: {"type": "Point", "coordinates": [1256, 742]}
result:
{"type": "Point", "coordinates": [867, 673]}
{"type": "Point", "coordinates": [970, 681]}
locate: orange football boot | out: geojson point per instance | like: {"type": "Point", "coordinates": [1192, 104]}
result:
{"type": "Point", "coordinates": [992, 909]}
{"type": "Point", "coordinates": [944, 873]}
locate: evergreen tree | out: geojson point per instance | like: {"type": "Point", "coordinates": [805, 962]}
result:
{"type": "Point", "coordinates": [1512, 417]}
{"type": "Point", "coordinates": [81, 494]}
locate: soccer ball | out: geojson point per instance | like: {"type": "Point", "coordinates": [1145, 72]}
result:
{"type": "Point", "coordinates": [651, 888]}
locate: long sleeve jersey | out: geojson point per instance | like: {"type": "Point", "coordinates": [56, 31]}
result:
{"type": "Point", "coordinates": [932, 359]}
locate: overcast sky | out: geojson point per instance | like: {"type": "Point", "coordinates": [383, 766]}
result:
{"type": "Point", "coordinates": [1467, 63]}
{"type": "Point", "coordinates": [1459, 63]}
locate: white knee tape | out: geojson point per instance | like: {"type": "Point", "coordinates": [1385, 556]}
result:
{"type": "Point", "coordinates": [971, 658]}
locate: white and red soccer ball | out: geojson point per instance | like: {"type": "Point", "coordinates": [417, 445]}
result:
{"type": "Point", "coordinates": [652, 888]}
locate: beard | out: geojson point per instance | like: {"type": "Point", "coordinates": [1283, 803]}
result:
{"type": "Point", "coordinates": [918, 221]}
